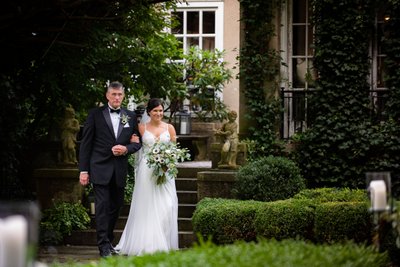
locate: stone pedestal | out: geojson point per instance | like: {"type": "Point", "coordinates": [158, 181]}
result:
{"type": "Point", "coordinates": [216, 154]}
{"type": "Point", "coordinates": [57, 184]}
{"type": "Point", "coordinates": [215, 184]}
{"type": "Point", "coordinates": [204, 129]}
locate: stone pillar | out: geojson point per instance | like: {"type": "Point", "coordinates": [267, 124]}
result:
{"type": "Point", "coordinates": [57, 184]}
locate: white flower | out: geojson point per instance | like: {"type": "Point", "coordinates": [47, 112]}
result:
{"type": "Point", "coordinates": [124, 119]}
{"type": "Point", "coordinates": [163, 157]}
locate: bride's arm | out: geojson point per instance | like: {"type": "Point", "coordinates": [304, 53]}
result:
{"type": "Point", "coordinates": [172, 132]}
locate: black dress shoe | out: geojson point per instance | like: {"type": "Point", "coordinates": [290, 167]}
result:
{"type": "Point", "coordinates": [105, 253]}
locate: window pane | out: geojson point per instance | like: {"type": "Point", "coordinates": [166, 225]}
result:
{"type": "Point", "coordinates": [192, 41]}
{"type": "Point", "coordinates": [310, 40]}
{"type": "Point", "coordinates": [208, 22]}
{"type": "Point", "coordinates": [178, 28]}
{"type": "Point", "coordinates": [299, 11]}
{"type": "Point", "coordinates": [299, 72]}
{"type": "Point", "coordinates": [299, 42]}
{"type": "Point", "coordinates": [208, 43]}
{"type": "Point", "coordinates": [381, 72]}
{"type": "Point", "coordinates": [192, 22]}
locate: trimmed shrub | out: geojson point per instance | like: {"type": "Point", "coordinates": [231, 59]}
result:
{"type": "Point", "coordinates": [338, 221]}
{"type": "Point", "coordinates": [329, 194]}
{"type": "Point", "coordinates": [285, 219]}
{"type": "Point", "coordinates": [225, 221]}
{"type": "Point", "coordinates": [268, 179]}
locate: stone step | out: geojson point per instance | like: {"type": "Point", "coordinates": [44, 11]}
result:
{"type": "Point", "coordinates": [88, 238]}
{"type": "Point", "coordinates": [184, 224]}
{"type": "Point", "coordinates": [188, 184]}
{"type": "Point", "coordinates": [190, 172]}
{"type": "Point", "coordinates": [187, 197]}
{"type": "Point", "coordinates": [186, 210]}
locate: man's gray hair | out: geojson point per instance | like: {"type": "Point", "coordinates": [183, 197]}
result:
{"type": "Point", "coordinates": [115, 85]}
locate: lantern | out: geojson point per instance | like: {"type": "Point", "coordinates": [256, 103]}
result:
{"type": "Point", "coordinates": [182, 121]}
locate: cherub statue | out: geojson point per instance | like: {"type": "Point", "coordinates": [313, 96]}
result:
{"type": "Point", "coordinates": [229, 132]}
{"type": "Point", "coordinates": [70, 127]}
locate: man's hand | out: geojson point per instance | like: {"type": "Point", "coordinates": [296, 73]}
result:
{"type": "Point", "coordinates": [84, 178]}
{"type": "Point", "coordinates": [134, 138]}
{"type": "Point", "coordinates": [119, 150]}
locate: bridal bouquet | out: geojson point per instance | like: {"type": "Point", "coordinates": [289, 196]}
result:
{"type": "Point", "coordinates": [163, 157]}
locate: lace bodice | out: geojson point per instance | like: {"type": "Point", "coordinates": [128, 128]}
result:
{"type": "Point", "coordinates": [149, 138]}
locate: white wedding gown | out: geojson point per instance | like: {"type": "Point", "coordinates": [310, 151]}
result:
{"type": "Point", "coordinates": [152, 223]}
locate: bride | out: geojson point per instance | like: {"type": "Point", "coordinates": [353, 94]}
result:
{"type": "Point", "coordinates": [152, 223]}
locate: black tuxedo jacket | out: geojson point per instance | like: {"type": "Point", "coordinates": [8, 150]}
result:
{"type": "Point", "coordinates": [95, 155]}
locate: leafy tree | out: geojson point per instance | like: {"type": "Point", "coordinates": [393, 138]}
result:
{"type": "Point", "coordinates": [57, 53]}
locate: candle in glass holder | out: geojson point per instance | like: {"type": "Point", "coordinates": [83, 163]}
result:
{"type": "Point", "coordinates": [377, 190]}
{"type": "Point", "coordinates": [13, 241]}
{"type": "Point", "coordinates": [183, 127]}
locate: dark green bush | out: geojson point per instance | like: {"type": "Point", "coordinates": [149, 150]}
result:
{"type": "Point", "coordinates": [225, 221]}
{"type": "Point", "coordinates": [268, 179]}
{"type": "Point", "coordinates": [285, 219]}
{"type": "Point", "coordinates": [61, 219]}
{"type": "Point", "coordinates": [338, 221]}
{"type": "Point", "coordinates": [329, 194]}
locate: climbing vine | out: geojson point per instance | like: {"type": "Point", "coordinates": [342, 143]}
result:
{"type": "Point", "coordinates": [259, 69]}
{"type": "Point", "coordinates": [344, 141]}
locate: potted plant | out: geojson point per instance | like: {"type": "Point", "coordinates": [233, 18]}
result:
{"type": "Point", "coordinates": [206, 73]}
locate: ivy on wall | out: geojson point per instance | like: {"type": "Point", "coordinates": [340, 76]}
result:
{"type": "Point", "coordinates": [259, 69]}
{"type": "Point", "coordinates": [343, 141]}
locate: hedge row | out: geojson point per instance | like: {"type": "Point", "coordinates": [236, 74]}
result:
{"type": "Point", "coordinates": [315, 219]}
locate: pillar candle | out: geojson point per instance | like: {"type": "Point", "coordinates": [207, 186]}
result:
{"type": "Point", "coordinates": [183, 127]}
{"type": "Point", "coordinates": [13, 241]}
{"type": "Point", "coordinates": [377, 190]}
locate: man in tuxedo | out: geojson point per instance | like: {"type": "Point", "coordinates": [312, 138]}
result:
{"type": "Point", "coordinates": [110, 133]}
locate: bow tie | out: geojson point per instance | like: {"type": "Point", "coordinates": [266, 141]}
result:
{"type": "Point", "coordinates": [115, 110]}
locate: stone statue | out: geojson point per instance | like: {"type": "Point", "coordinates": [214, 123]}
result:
{"type": "Point", "coordinates": [229, 132]}
{"type": "Point", "coordinates": [70, 127]}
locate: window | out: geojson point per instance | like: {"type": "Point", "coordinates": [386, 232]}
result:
{"type": "Point", "coordinates": [200, 24]}
{"type": "Point", "coordinates": [299, 74]}
{"type": "Point", "coordinates": [378, 87]}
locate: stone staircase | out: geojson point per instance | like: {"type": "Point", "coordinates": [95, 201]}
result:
{"type": "Point", "coordinates": [186, 186]}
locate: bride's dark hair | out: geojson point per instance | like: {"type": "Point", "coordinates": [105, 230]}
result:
{"type": "Point", "coordinates": [154, 102]}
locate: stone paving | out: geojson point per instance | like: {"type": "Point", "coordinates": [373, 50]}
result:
{"type": "Point", "coordinates": [67, 254]}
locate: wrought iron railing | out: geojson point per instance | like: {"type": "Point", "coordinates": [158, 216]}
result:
{"type": "Point", "coordinates": [294, 109]}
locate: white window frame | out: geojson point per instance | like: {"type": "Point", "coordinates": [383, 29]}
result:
{"type": "Point", "coordinates": [218, 7]}
{"type": "Point", "coordinates": [289, 126]}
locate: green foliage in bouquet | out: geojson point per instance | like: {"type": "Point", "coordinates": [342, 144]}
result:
{"type": "Point", "coordinates": [163, 158]}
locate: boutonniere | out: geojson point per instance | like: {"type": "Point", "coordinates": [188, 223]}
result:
{"type": "Point", "coordinates": [124, 119]}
